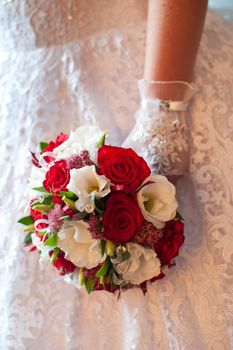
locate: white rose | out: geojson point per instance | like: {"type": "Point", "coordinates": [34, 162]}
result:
{"type": "Point", "coordinates": [142, 265]}
{"type": "Point", "coordinates": [85, 182]}
{"type": "Point", "coordinates": [75, 240]}
{"type": "Point", "coordinates": [83, 138]}
{"type": "Point", "coordinates": [157, 200]}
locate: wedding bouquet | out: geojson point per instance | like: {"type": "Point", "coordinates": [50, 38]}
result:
{"type": "Point", "coordinates": [98, 215]}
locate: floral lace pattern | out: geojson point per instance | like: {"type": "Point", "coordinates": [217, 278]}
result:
{"type": "Point", "coordinates": [162, 139]}
{"type": "Point", "coordinates": [51, 82]}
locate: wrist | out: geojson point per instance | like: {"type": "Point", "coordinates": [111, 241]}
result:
{"type": "Point", "coordinates": [166, 90]}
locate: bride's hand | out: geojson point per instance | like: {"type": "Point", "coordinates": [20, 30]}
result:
{"type": "Point", "coordinates": [161, 133]}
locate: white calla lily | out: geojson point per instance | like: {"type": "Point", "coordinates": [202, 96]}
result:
{"type": "Point", "coordinates": [86, 183]}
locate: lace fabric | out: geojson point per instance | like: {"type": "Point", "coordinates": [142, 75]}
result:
{"type": "Point", "coordinates": [48, 88]}
{"type": "Point", "coordinates": [162, 130]}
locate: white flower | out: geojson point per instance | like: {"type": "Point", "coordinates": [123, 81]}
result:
{"type": "Point", "coordinates": [86, 183]}
{"type": "Point", "coordinates": [83, 138]}
{"type": "Point", "coordinates": [75, 240]}
{"type": "Point", "coordinates": [142, 265]}
{"type": "Point", "coordinates": [44, 250]}
{"type": "Point", "coordinates": [36, 179]}
{"type": "Point", "coordinates": [157, 200]}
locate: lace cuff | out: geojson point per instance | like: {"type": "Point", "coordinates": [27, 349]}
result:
{"type": "Point", "coordinates": [161, 133]}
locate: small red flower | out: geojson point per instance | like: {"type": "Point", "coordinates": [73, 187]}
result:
{"type": "Point", "coordinates": [122, 218]}
{"type": "Point", "coordinates": [63, 265]}
{"type": "Point", "coordinates": [168, 246]}
{"type": "Point", "coordinates": [122, 166]}
{"type": "Point", "coordinates": [57, 177]}
{"type": "Point", "coordinates": [53, 144]}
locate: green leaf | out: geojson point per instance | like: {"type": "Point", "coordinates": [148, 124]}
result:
{"type": "Point", "coordinates": [99, 205]}
{"type": "Point", "coordinates": [28, 238]}
{"type": "Point", "coordinates": [51, 241]}
{"type": "Point", "coordinates": [110, 248]}
{"type": "Point", "coordinates": [29, 228]}
{"type": "Point", "coordinates": [44, 209]}
{"type": "Point", "coordinates": [26, 220]}
{"type": "Point", "coordinates": [55, 254]}
{"type": "Point", "coordinates": [89, 284]}
{"type": "Point", "coordinates": [81, 277]}
{"type": "Point", "coordinates": [102, 280]}
{"type": "Point", "coordinates": [101, 141]}
{"type": "Point", "coordinates": [179, 216]}
{"type": "Point", "coordinates": [43, 145]}
{"type": "Point", "coordinates": [40, 189]}
{"type": "Point", "coordinates": [70, 195]}
{"type": "Point", "coordinates": [102, 246]}
{"type": "Point", "coordinates": [70, 203]}
{"type": "Point", "coordinates": [103, 271]}
{"type": "Point", "coordinates": [48, 200]}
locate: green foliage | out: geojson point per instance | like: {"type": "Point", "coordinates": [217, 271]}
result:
{"type": "Point", "coordinates": [48, 200]}
{"type": "Point", "coordinates": [40, 189]}
{"type": "Point", "coordinates": [110, 248]}
{"type": "Point", "coordinates": [89, 284]}
{"type": "Point", "coordinates": [102, 246]}
{"type": "Point", "coordinates": [51, 241]}
{"type": "Point", "coordinates": [101, 141]}
{"type": "Point", "coordinates": [28, 238]}
{"type": "Point", "coordinates": [99, 205]}
{"type": "Point", "coordinates": [103, 271]}
{"type": "Point", "coordinates": [29, 228]}
{"type": "Point", "coordinates": [55, 254]}
{"type": "Point", "coordinates": [44, 209]}
{"type": "Point", "coordinates": [70, 195]}
{"type": "Point", "coordinates": [26, 220]}
{"type": "Point", "coordinates": [70, 203]}
{"type": "Point", "coordinates": [43, 145]}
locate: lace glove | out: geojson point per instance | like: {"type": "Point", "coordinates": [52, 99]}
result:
{"type": "Point", "coordinates": [161, 133]}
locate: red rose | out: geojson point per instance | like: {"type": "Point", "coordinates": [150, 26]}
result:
{"type": "Point", "coordinates": [53, 144]}
{"type": "Point", "coordinates": [122, 166]}
{"type": "Point", "coordinates": [57, 177]}
{"type": "Point", "coordinates": [168, 246]}
{"type": "Point", "coordinates": [122, 218]}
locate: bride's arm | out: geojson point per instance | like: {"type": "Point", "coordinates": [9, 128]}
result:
{"type": "Point", "coordinates": [161, 134]}
{"type": "Point", "coordinates": [173, 35]}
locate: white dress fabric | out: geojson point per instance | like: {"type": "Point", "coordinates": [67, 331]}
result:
{"type": "Point", "coordinates": [64, 63]}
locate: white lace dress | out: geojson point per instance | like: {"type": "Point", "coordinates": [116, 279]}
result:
{"type": "Point", "coordinates": [67, 62]}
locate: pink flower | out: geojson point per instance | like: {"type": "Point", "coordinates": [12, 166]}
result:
{"type": "Point", "coordinates": [79, 161]}
{"type": "Point", "coordinates": [54, 218]}
{"type": "Point", "coordinates": [94, 228]}
{"type": "Point", "coordinates": [148, 234]}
